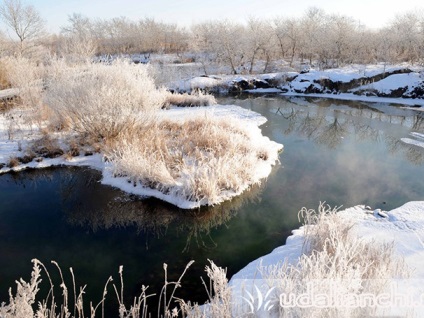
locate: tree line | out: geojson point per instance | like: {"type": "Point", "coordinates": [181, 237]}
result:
{"type": "Point", "coordinates": [316, 38]}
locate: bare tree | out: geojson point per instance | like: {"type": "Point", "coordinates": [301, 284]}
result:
{"type": "Point", "coordinates": [77, 39]}
{"type": "Point", "coordinates": [405, 30]}
{"type": "Point", "coordinates": [258, 39]}
{"type": "Point", "coordinates": [289, 35]}
{"type": "Point", "coordinates": [23, 20]}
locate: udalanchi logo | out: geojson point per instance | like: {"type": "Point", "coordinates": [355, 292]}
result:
{"type": "Point", "coordinates": [260, 302]}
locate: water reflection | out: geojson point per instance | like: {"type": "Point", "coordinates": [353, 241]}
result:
{"type": "Point", "coordinates": [151, 216]}
{"type": "Point", "coordinates": [328, 126]}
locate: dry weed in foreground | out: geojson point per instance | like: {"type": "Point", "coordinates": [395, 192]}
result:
{"type": "Point", "coordinates": [202, 160]}
{"type": "Point", "coordinates": [219, 304]}
{"type": "Point", "coordinates": [25, 303]}
{"type": "Point", "coordinates": [335, 258]}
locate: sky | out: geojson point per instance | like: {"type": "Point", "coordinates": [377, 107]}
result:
{"type": "Point", "coordinates": [372, 13]}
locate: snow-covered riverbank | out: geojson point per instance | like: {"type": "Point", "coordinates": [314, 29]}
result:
{"type": "Point", "coordinates": [403, 227]}
{"type": "Point", "coordinates": [398, 84]}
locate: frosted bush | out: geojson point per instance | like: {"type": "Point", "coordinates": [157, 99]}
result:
{"type": "Point", "coordinates": [101, 100]}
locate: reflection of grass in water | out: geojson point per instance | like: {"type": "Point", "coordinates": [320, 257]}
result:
{"type": "Point", "coordinates": [154, 216]}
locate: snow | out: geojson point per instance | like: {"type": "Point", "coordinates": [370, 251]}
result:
{"type": "Point", "coordinates": [393, 82]}
{"type": "Point", "coordinates": [236, 112]}
{"type": "Point", "coordinates": [264, 91]}
{"type": "Point", "coordinates": [350, 72]}
{"type": "Point", "coordinates": [403, 226]}
{"type": "Point", "coordinates": [203, 83]}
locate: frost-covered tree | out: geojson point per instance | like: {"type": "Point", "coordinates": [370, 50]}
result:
{"type": "Point", "coordinates": [201, 45]}
{"type": "Point", "coordinates": [288, 35]}
{"type": "Point", "coordinates": [258, 42]}
{"type": "Point", "coordinates": [341, 35]}
{"type": "Point", "coordinates": [77, 37]}
{"type": "Point", "coordinates": [312, 24]}
{"type": "Point", "coordinates": [405, 32]}
{"type": "Point", "coordinates": [228, 41]}
{"type": "Point", "coordinates": [23, 20]}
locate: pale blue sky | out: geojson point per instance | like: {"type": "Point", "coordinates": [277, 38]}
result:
{"type": "Point", "coordinates": [373, 13]}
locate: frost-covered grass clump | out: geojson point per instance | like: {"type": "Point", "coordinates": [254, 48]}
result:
{"type": "Point", "coordinates": [202, 161]}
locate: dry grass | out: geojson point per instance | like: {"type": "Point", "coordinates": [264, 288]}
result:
{"type": "Point", "coordinates": [114, 108]}
{"type": "Point", "coordinates": [190, 100]}
{"type": "Point", "coordinates": [46, 147]}
{"type": "Point", "coordinates": [13, 162]}
{"type": "Point", "coordinates": [26, 76]}
{"type": "Point", "coordinates": [202, 160]}
{"type": "Point", "coordinates": [220, 301]}
{"type": "Point", "coordinates": [334, 257]}
{"type": "Point", "coordinates": [4, 76]}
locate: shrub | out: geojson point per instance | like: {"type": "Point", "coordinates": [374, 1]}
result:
{"type": "Point", "coordinates": [101, 100]}
{"type": "Point", "coordinates": [13, 162]}
{"type": "Point", "coordinates": [46, 147]}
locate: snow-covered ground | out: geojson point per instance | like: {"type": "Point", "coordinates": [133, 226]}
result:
{"type": "Point", "coordinates": [403, 226]}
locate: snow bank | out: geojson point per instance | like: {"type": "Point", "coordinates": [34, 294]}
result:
{"type": "Point", "coordinates": [393, 82]}
{"type": "Point", "coordinates": [398, 84]}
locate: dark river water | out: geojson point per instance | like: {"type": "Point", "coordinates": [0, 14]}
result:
{"type": "Point", "coordinates": [344, 153]}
